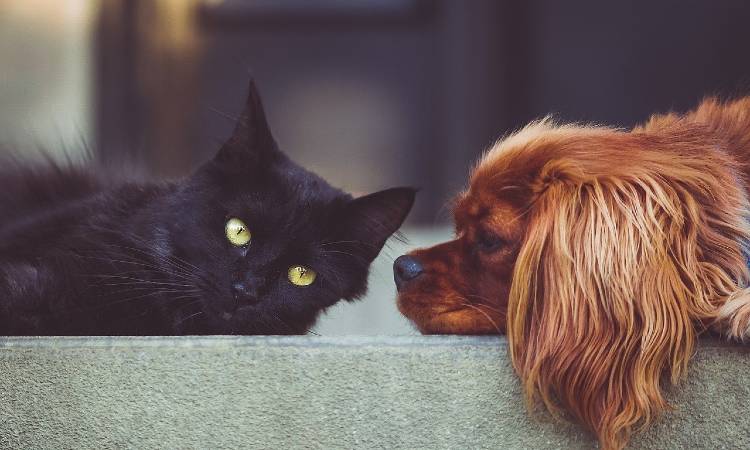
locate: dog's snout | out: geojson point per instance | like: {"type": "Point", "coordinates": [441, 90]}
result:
{"type": "Point", "coordinates": [405, 269]}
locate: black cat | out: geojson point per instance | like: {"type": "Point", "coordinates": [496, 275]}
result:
{"type": "Point", "coordinates": [251, 243]}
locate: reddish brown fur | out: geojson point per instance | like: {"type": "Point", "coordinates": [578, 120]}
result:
{"type": "Point", "coordinates": [619, 249]}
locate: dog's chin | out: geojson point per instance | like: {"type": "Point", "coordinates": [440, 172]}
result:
{"type": "Point", "coordinates": [441, 316]}
{"type": "Point", "coordinates": [420, 313]}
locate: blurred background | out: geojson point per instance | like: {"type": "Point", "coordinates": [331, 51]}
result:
{"type": "Point", "coordinates": [368, 93]}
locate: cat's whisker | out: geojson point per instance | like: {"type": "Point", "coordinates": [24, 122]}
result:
{"type": "Point", "coordinates": [223, 114]}
{"type": "Point", "coordinates": [137, 281]}
{"type": "Point", "coordinates": [360, 257]}
{"type": "Point", "coordinates": [100, 280]}
{"type": "Point", "coordinates": [366, 244]}
{"type": "Point", "coordinates": [173, 258]}
{"type": "Point", "coordinates": [165, 259]}
{"type": "Point", "coordinates": [152, 268]}
{"type": "Point", "coordinates": [185, 319]}
{"type": "Point", "coordinates": [288, 327]}
{"type": "Point", "coordinates": [136, 287]}
{"type": "Point", "coordinates": [140, 297]}
{"type": "Point", "coordinates": [161, 291]}
{"type": "Point", "coordinates": [147, 283]}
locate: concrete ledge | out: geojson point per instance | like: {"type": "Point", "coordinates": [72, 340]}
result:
{"type": "Point", "coordinates": [317, 392]}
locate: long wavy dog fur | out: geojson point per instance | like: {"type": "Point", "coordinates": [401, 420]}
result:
{"type": "Point", "coordinates": [603, 254]}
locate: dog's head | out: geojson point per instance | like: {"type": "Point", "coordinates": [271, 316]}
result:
{"type": "Point", "coordinates": [462, 286]}
{"type": "Point", "coordinates": [598, 251]}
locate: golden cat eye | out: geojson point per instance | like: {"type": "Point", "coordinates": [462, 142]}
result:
{"type": "Point", "coordinates": [237, 232]}
{"type": "Point", "coordinates": [301, 276]}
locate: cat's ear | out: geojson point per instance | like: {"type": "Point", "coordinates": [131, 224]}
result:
{"type": "Point", "coordinates": [251, 142]}
{"type": "Point", "coordinates": [370, 220]}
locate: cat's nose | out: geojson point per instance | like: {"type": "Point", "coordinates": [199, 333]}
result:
{"type": "Point", "coordinates": [244, 293]}
{"type": "Point", "coordinates": [405, 269]}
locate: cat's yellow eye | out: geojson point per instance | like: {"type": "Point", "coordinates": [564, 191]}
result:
{"type": "Point", "coordinates": [301, 276]}
{"type": "Point", "coordinates": [237, 232]}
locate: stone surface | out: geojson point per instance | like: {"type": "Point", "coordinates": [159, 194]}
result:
{"type": "Point", "coordinates": [321, 393]}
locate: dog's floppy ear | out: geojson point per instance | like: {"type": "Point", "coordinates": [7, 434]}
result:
{"type": "Point", "coordinates": [611, 277]}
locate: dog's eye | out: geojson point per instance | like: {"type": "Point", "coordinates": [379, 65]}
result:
{"type": "Point", "coordinates": [489, 242]}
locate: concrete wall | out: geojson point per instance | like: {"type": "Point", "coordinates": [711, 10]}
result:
{"type": "Point", "coordinates": [322, 393]}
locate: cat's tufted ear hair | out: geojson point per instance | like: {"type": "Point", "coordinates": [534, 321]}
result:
{"type": "Point", "coordinates": [370, 220]}
{"type": "Point", "coordinates": [251, 143]}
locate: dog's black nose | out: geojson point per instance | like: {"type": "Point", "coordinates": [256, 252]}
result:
{"type": "Point", "coordinates": [405, 269]}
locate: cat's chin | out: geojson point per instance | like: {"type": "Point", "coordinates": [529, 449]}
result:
{"type": "Point", "coordinates": [226, 312]}
{"type": "Point", "coordinates": [238, 315]}
{"type": "Point", "coordinates": [240, 318]}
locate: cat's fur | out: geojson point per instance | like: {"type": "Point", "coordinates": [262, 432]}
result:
{"type": "Point", "coordinates": [83, 255]}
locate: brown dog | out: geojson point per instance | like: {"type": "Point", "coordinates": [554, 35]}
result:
{"type": "Point", "coordinates": [602, 253]}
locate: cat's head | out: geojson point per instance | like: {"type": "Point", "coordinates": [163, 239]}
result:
{"type": "Point", "coordinates": [273, 244]}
